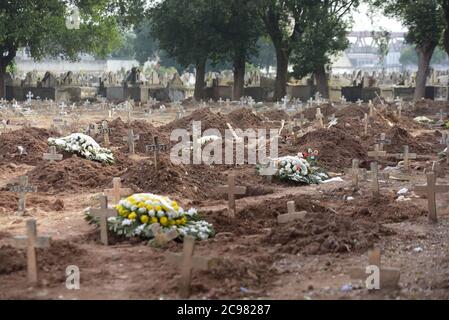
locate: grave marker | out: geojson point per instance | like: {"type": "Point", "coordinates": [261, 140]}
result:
{"type": "Point", "coordinates": [292, 215]}
{"type": "Point", "coordinates": [156, 147]}
{"type": "Point", "coordinates": [388, 277]}
{"type": "Point", "coordinates": [105, 130]}
{"type": "Point", "coordinates": [116, 193]}
{"type": "Point", "coordinates": [377, 153]}
{"type": "Point", "coordinates": [162, 238]}
{"type": "Point", "coordinates": [383, 141]}
{"type": "Point", "coordinates": [365, 123]}
{"type": "Point", "coordinates": [130, 139]}
{"type": "Point", "coordinates": [32, 242]}
{"type": "Point", "coordinates": [431, 190]}
{"type": "Point", "coordinates": [103, 213]}
{"type": "Point", "coordinates": [188, 262]}
{"type": "Point", "coordinates": [52, 156]}
{"type": "Point", "coordinates": [231, 189]}
{"type": "Point", "coordinates": [356, 172]}
{"type": "Point", "coordinates": [23, 188]}
{"type": "Point", "coordinates": [319, 117]}
{"type": "Point", "coordinates": [375, 179]}
{"type": "Point", "coordinates": [406, 157]}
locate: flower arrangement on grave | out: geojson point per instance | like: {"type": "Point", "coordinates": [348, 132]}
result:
{"type": "Point", "coordinates": [84, 146]}
{"type": "Point", "coordinates": [299, 169]}
{"type": "Point", "coordinates": [138, 212]}
{"type": "Point", "coordinates": [311, 156]}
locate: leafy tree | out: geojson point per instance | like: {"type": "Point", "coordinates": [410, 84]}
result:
{"type": "Point", "coordinates": [145, 45]}
{"type": "Point", "coordinates": [182, 28]}
{"type": "Point", "coordinates": [382, 39]}
{"type": "Point", "coordinates": [41, 27]}
{"type": "Point", "coordinates": [323, 37]}
{"type": "Point", "coordinates": [424, 20]}
{"type": "Point", "coordinates": [238, 28]}
{"type": "Point", "coordinates": [265, 56]}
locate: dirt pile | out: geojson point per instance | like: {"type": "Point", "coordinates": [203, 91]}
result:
{"type": "Point", "coordinates": [244, 118]}
{"type": "Point", "coordinates": [310, 114]}
{"type": "Point", "coordinates": [276, 115]}
{"type": "Point", "coordinates": [34, 140]}
{"type": "Point", "coordinates": [209, 120]}
{"type": "Point", "coordinates": [73, 174]}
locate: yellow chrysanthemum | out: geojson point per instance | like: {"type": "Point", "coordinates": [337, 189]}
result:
{"type": "Point", "coordinates": [164, 221]}
{"type": "Point", "coordinates": [132, 216]}
{"type": "Point", "coordinates": [149, 207]}
{"type": "Point", "coordinates": [158, 208]}
{"type": "Point", "coordinates": [154, 220]}
{"type": "Point", "coordinates": [144, 219]}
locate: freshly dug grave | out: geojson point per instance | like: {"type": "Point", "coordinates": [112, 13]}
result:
{"type": "Point", "coordinates": [34, 140]}
{"type": "Point", "coordinates": [336, 148]}
{"type": "Point", "coordinates": [310, 114]}
{"type": "Point", "coordinates": [73, 174]}
{"type": "Point", "coordinates": [424, 144]}
{"type": "Point", "coordinates": [429, 108]}
{"type": "Point", "coordinates": [209, 120]}
{"type": "Point", "coordinates": [276, 115]}
{"type": "Point", "coordinates": [244, 118]}
{"type": "Point", "coordinates": [9, 202]}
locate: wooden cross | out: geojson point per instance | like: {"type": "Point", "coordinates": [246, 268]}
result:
{"type": "Point", "coordinates": [444, 138]}
{"type": "Point", "coordinates": [291, 215]}
{"type": "Point", "coordinates": [105, 130]}
{"type": "Point", "coordinates": [431, 190]}
{"type": "Point", "coordinates": [32, 242]}
{"type": "Point", "coordinates": [188, 262]}
{"type": "Point", "coordinates": [162, 238]}
{"type": "Point", "coordinates": [117, 192]}
{"type": "Point", "coordinates": [52, 156]}
{"type": "Point", "coordinates": [377, 153]}
{"type": "Point", "coordinates": [382, 141]}
{"type": "Point", "coordinates": [399, 110]}
{"type": "Point", "coordinates": [371, 108]}
{"type": "Point", "coordinates": [156, 148]}
{"type": "Point", "coordinates": [388, 277]}
{"type": "Point", "coordinates": [375, 179]}
{"type": "Point", "coordinates": [365, 123]}
{"type": "Point", "coordinates": [319, 117]}
{"type": "Point", "coordinates": [406, 156]}
{"type": "Point", "coordinates": [359, 102]}
{"type": "Point", "coordinates": [231, 189]}
{"type": "Point", "coordinates": [103, 214]}
{"type": "Point", "coordinates": [23, 188]}
{"type": "Point", "coordinates": [356, 172]}
{"type": "Point", "coordinates": [130, 140]}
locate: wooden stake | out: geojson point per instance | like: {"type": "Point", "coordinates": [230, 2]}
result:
{"type": "Point", "coordinates": [115, 194]}
{"type": "Point", "coordinates": [431, 190]}
{"type": "Point", "coordinates": [103, 214]}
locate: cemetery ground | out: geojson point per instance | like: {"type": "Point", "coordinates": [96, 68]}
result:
{"type": "Point", "coordinates": [254, 256]}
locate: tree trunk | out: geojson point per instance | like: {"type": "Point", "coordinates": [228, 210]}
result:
{"type": "Point", "coordinates": [2, 80]}
{"type": "Point", "coordinates": [322, 81]}
{"type": "Point", "coordinates": [425, 53]}
{"type": "Point", "coordinates": [200, 80]}
{"type": "Point", "coordinates": [280, 87]}
{"type": "Point", "coordinates": [239, 77]}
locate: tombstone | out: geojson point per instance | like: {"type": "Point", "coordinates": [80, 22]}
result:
{"type": "Point", "coordinates": [130, 139]}
{"type": "Point", "coordinates": [231, 190]}
{"type": "Point", "coordinates": [115, 194]}
{"type": "Point", "coordinates": [102, 214]}
{"type": "Point", "coordinates": [291, 214]}
{"type": "Point", "coordinates": [52, 155]}
{"type": "Point", "coordinates": [156, 148]}
{"type": "Point", "coordinates": [68, 79]}
{"type": "Point", "coordinates": [431, 190]}
{"type": "Point", "coordinates": [162, 238]}
{"type": "Point", "coordinates": [187, 261]}
{"type": "Point", "coordinates": [22, 188]}
{"type": "Point", "coordinates": [49, 80]}
{"type": "Point", "coordinates": [32, 242]}
{"type": "Point", "coordinates": [388, 277]}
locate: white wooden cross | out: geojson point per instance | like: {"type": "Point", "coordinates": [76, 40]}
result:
{"type": "Point", "coordinates": [319, 117]}
{"type": "Point", "coordinates": [343, 100]}
{"type": "Point", "coordinates": [22, 188]}
{"type": "Point", "coordinates": [377, 153]}
{"type": "Point", "coordinates": [406, 157]}
{"type": "Point", "coordinates": [231, 189]}
{"type": "Point", "coordinates": [388, 277]}
{"type": "Point", "coordinates": [291, 214]}
{"type": "Point", "coordinates": [431, 190]}
{"type": "Point", "coordinates": [29, 97]}
{"type": "Point", "coordinates": [116, 193]}
{"type": "Point", "coordinates": [285, 100]}
{"type": "Point", "coordinates": [220, 102]}
{"type": "Point", "coordinates": [365, 123]}
{"type": "Point", "coordinates": [31, 242]}
{"type": "Point", "coordinates": [162, 238]}
{"type": "Point", "coordinates": [188, 262]}
{"type": "Point", "coordinates": [52, 156]}
{"type": "Point", "coordinates": [359, 102]}
{"type": "Point", "coordinates": [103, 213]}
{"type": "Point", "coordinates": [130, 139]}
{"type": "Point", "coordinates": [105, 130]}
{"type": "Point", "coordinates": [156, 147]}
{"type": "Point", "coordinates": [356, 172]}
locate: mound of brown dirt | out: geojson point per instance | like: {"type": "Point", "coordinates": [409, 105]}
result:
{"type": "Point", "coordinates": [422, 144]}
{"type": "Point", "coordinates": [34, 140]}
{"type": "Point", "coordinates": [322, 233]}
{"type": "Point", "coordinates": [244, 118]}
{"type": "Point", "coordinates": [73, 174]}
{"type": "Point", "coordinates": [276, 115]}
{"type": "Point", "coordinates": [336, 148]}
{"type": "Point", "coordinates": [209, 120]}
{"type": "Point", "coordinates": [310, 114]}
{"type": "Point", "coordinates": [12, 260]}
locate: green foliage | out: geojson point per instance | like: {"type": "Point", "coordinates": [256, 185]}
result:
{"type": "Point", "coordinates": [266, 54]}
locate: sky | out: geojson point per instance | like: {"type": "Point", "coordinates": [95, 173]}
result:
{"type": "Point", "coordinates": [362, 21]}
